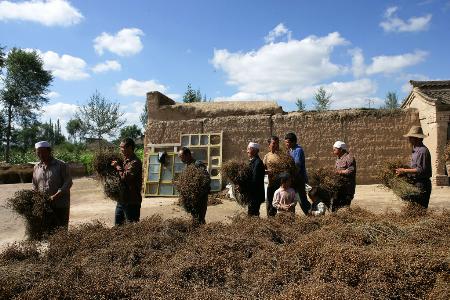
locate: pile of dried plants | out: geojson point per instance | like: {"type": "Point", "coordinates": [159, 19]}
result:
{"type": "Point", "coordinates": [352, 254]}
{"type": "Point", "coordinates": [400, 185]}
{"type": "Point", "coordinates": [239, 174]}
{"type": "Point", "coordinates": [108, 175]}
{"type": "Point", "coordinates": [193, 186]}
{"type": "Point", "coordinates": [327, 179]}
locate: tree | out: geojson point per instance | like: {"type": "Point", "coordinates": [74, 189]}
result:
{"type": "Point", "coordinates": [144, 117]}
{"type": "Point", "coordinates": [74, 129]}
{"type": "Point", "coordinates": [391, 101]}
{"type": "Point", "coordinates": [132, 132]}
{"type": "Point", "coordinates": [322, 99]}
{"type": "Point", "coordinates": [300, 105]}
{"type": "Point", "coordinates": [192, 96]}
{"type": "Point", "coordinates": [100, 117]}
{"type": "Point", "coordinates": [24, 87]}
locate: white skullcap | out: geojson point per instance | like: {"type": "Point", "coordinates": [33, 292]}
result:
{"type": "Point", "coordinates": [340, 145]}
{"type": "Point", "coordinates": [42, 144]}
{"type": "Point", "coordinates": [253, 145]}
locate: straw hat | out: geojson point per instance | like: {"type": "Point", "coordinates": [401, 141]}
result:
{"type": "Point", "coordinates": [416, 131]}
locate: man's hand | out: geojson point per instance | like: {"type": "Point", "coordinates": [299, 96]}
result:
{"type": "Point", "coordinates": [55, 197]}
{"type": "Point", "coordinates": [116, 165]}
{"type": "Point", "coordinates": [399, 171]}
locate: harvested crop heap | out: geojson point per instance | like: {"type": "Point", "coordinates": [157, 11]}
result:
{"type": "Point", "coordinates": [285, 164]}
{"type": "Point", "coordinates": [108, 175]}
{"type": "Point", "coordinates": [34, 207]}
{"type": "Point", "coordinates": [192, 185]}
{"type": "Point", "coordinates": [239, 173]}
{"type": "Point", "coordinates": [400, 185]}
{"type": "Point", "coordinates": [352, 254]}
{"type": "Point", "coordinates": [327, 179]}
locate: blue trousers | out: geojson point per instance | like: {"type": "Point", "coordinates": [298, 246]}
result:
{"type": "Point", "coordinates": [127, 212]}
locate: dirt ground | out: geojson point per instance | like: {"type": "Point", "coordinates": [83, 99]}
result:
{"type": "Point", "coordinates": [88, 203]}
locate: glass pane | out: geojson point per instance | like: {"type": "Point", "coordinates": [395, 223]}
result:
{"type": "Point", "coordinates": [167, 173]}
{"type": "Point", "coordinates": [153, 168]}
{"type": "Point", "coordinates": [215, 139]}
{"type": "Point", "coordinates": [165, 189]}
{"type": "Point", "coordinates": [152, 189]}
{"type": "Point", "coordinates": [185, 140]}
{"type": "Point", "coordinates": [214, 172]}
{"type": "Point", "coordinates": [204, 140]}
{"type": "Point", "coordinates": [194, 140]}
{"type": "Point", "coordinates": [154, 159]}
{"type": "Point", "coordinates": [153, 176]}
{"type": "Point", "coordinates": [200, 154]}
{"type": "Point", "coordinates": [215, 185]}
{"type": "Point", "coordinates": [215, 151]}
{"type": "Point", "coordinates": [215, 161]}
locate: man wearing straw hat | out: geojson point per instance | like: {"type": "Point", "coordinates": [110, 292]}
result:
{"type": "Point", "coordinates": [52, 177]}
{"type": "Point", "coordinates": [256, 184]}
{"type": "Point", "coordinates": [420, 170]}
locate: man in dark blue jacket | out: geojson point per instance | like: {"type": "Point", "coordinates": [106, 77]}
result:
{"type": "Point", "coordinates": [256, 184]}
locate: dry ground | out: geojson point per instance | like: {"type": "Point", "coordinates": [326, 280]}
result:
{"type": "Point", "coordinates": [88, 203]}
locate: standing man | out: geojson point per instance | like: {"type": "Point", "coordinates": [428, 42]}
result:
{"type": "Point", "coordinates": [420, 170]}
{"type": "Point", "coordinates": [256, 184]}
{"type": "Point", "coordinates": [199, 213]}
{"type": "Point", "coordinates": [272, 162]}
{"type": "Point", "coordinates": [52, 177]}
{"type": "Point", "coordinates": [300, 176]}
{"type": "Point", "coordinates": [345, 166]}
{"type": "Point", "coordinates": [129, 207]}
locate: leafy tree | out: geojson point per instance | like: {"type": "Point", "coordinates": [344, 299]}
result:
{"type": "Point", "coordinates": [130, 132]}
{"type": "Point", "coordinates": [300, 105]}
{"type": "Point", "coordinates": [144, 117]}
{"type": "Point", "coordinates": [74, 129]}
{"type": "Point", "coordinates": [391, 101]}
{"type": "Point", "coordinates": [322, 99]}
{"type": "Point", "coordinates": [24, 87]}
{"type": "Point", "coordinates": [192, 96]}
{"type": "Point", "coordinates": [100, 117]}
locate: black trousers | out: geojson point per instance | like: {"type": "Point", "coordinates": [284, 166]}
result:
{"type": "Point", "coordinates": [271, 211]}
{"type": "Point", "coordinates": [199, 212]}
{"type": "Point", "coordinates": [127, 212]}
{"type": "Point", "coordinates": [60, 218]}
{"type": "Point", "coordinates": [305, 205]}
{"type": "Point", "coordinates": [425, 191]}
{"type": "Point", "coordinates": [254, 206]}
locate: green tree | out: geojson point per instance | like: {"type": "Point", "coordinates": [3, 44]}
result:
{"type": "Point", "coordinates": [192, 96]}
{"type": "Point", "coordinates": [74, 129]}
{"type": "Point", "coordinates": [25, 84]}
{"type": "Point", "coordinates": [100, 117]}
{"type": "Point", "coordinates": [300, 105]}
{"type": "Point", "coordinates": [144, 117]}
{"type": "Point", "coordinates": [131, 131]}
{"type": "Point", "coordinates": [322, 99]}
{"type": "Point", "coordinates": [391, 101]}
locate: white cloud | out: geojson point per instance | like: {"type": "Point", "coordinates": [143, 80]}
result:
{"type": "Point", "coordinates": [53, 95]}
{"type": "Point", "coordinates": [392, 23]}
{"type": "Point", "coordinates": [132, 87]}
{"type": "Point", "coordinates": [352, 94]}
{"type": "Point", "coordinates": [358, 66]}
{"type": "Point", "coordinates": [278, 67]}
{"type": "Point", "coordinates": [391, 64]}
{"type": "Point", "coordinates": [125, 43]}
{"type": "Point", "coordinates": [132, 113]}
{"type": "Point", "coordinates": [48, 13]}
{"type": "Point", "coordinates": [65, 67]}
{"type": "Point", "coordinates": [62, 111]}
{"type": "Point", "coordinates": [109, 65]}
{"type": "Point", "coordinates": [279, 31]}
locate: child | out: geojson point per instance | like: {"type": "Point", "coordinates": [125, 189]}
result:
{"type": "Point", "coordinates": [285, 197]}
{"type": "Point", "coordinates": [321, 200]}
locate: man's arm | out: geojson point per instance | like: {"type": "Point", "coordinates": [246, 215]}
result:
{"type": "Point", "coordinates": [67, 182]}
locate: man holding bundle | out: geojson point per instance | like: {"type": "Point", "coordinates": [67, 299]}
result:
{"type": "Point", "coordinates": [345, 166]}
{"type": "Point", "coordinates": [128, 208]}
{"type": "Point", "coordinates": [52, 177]}
{"type": "Point", "coordinates": [420, 170]}
{"type": "Point", "coordinates": [256, 184]}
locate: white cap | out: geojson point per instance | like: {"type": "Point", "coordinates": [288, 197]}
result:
{"type": "Point", "coordinates": [42, 144]}
{"type": "Point", "coordinates": [253, 145]}
{"type": "Point", "coordinates": [340, 145]}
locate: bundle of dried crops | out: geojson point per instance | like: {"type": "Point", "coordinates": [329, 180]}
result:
{"type": "Point", "coordinates": [34, 207]}
{"type": "Point", "coordinates": [327, 179]}
{"type": "Point", "coordinates": [108, 175]}
{"type": "Point", "coordinates": [284, 164]}
{"type": "Point", "coordinates": [400, 185]}
{"type": "Point", "coordinates": [193, 185]}
{"type": "Point", "coordinates": [239, 174]}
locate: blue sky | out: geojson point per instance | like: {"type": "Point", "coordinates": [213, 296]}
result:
{"type": "Point", "coordinates": [230, 50]}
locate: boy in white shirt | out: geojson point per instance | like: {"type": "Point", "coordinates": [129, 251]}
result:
{"type": "Point", "coordinates": [285, 197]}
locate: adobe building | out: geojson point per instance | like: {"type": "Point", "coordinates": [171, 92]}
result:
{"type": "Point", "coordinates": [432, 101]}
{"type": "Point", "coordinates": [219, 131]}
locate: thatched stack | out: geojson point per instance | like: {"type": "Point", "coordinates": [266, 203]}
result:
{"type": "Point", "coordinates": [239, 174]}
{"type": "Point", "coordinates": [34, 207]}
{"type": "Point", "coordinates": [285, 164]}
{"type": "Point", "coordinates": [400, 185]}
{"type": "Point", "coordinates": [193, 184]}
{"type": "Point", "coordinates": [327, 179]}
{"type": "Point", "coordinates": [108, 175]}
